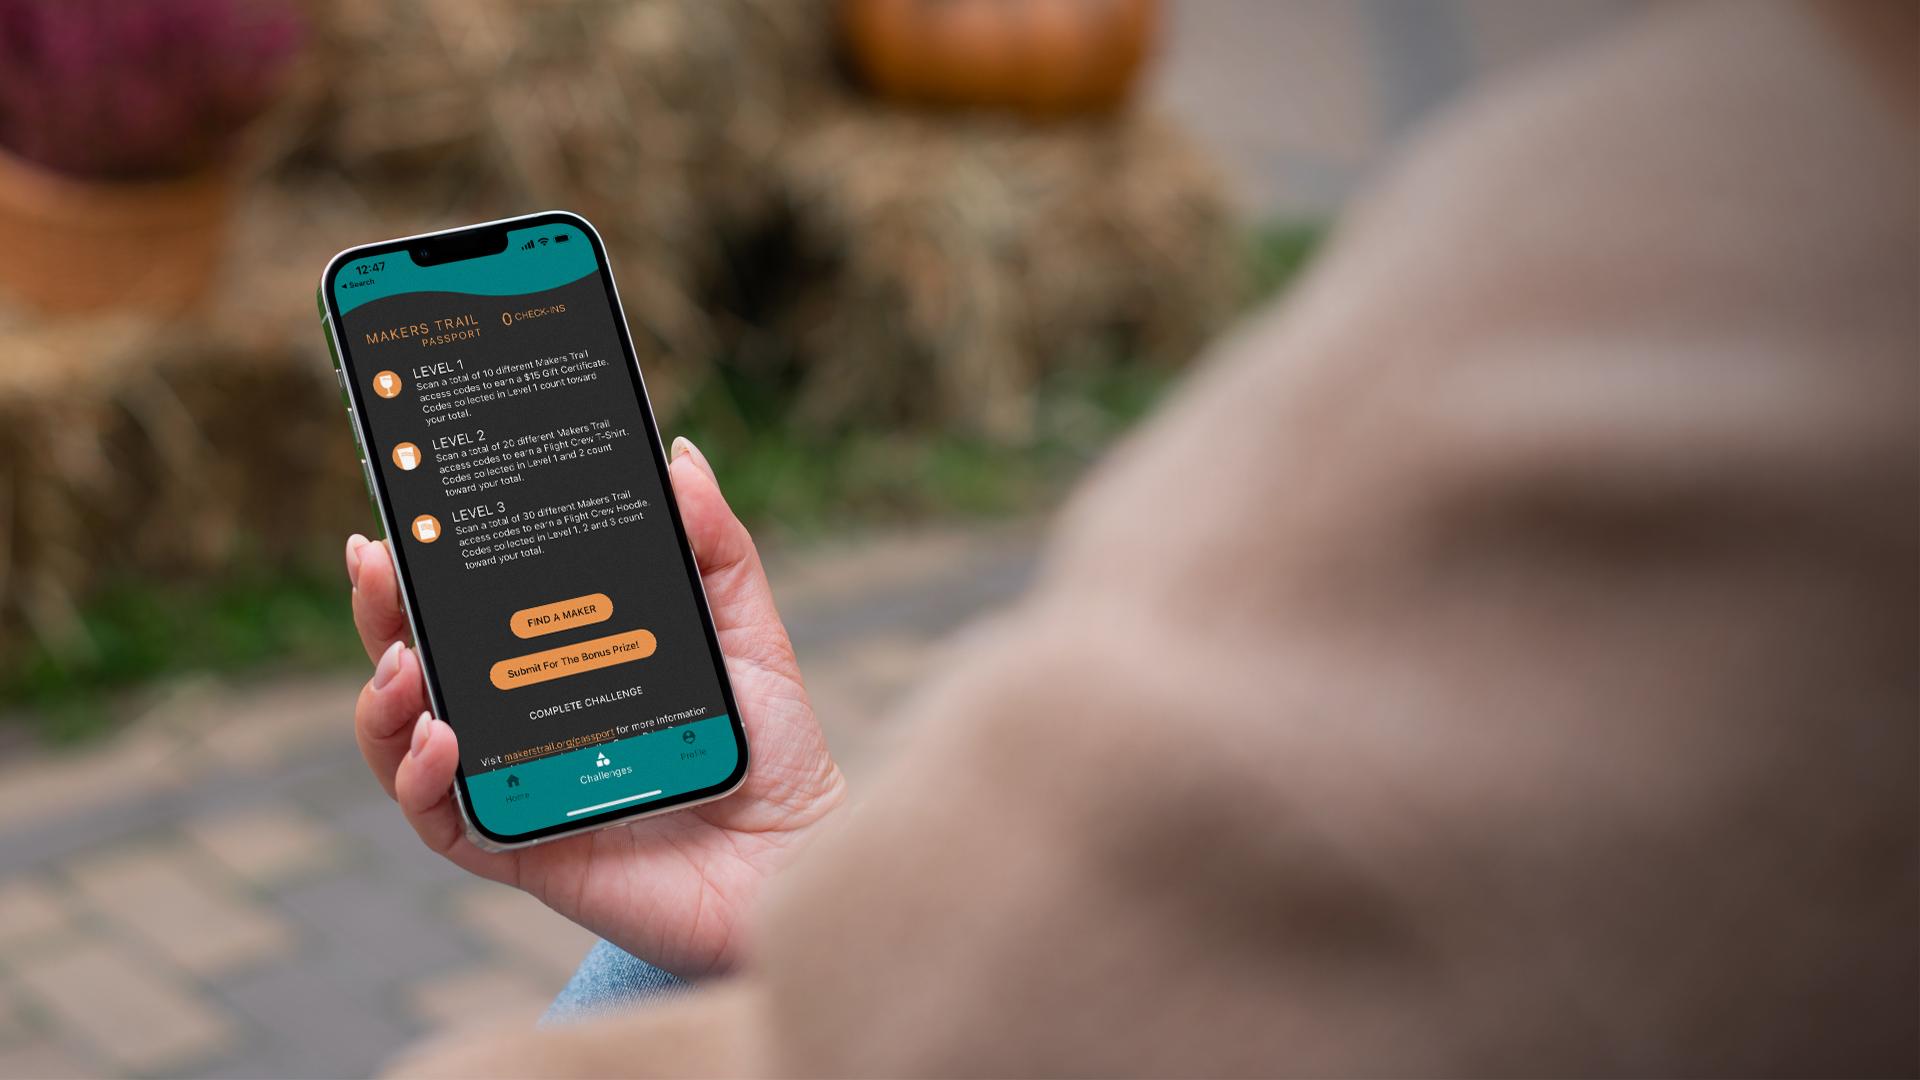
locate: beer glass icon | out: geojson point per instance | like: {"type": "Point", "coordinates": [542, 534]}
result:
{"type": "Point", "coordinates": [407, 456]}
{"type": "Point", "coordinates": [426, 528]}
{"type": "Point", "coordinates": [387, 384]}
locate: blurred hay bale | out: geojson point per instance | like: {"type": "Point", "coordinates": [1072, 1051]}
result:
{"type": "Point", "coordinates": [128, 446]}
{"type": "Point", "coordinates": [952, 260]}
{"type": "Point", "coordinates": [136, 446]}
{"type": "Point", "coordinates": [646, 117]}
{"type": "Point", "coordinates": [897, 267]}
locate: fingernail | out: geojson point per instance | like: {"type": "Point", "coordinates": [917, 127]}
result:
{"type": "Point", "coordinates": [684, 445]}
{"type": "Point", "coordinates": [421, 728]}
{"type": "Point", "coordinates": [354, 544]}
{"type": "Point", "coordinates": [389, 665]}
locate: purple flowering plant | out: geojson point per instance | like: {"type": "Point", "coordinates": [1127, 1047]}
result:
{"type": "Point", "coordinates": [137, 89]}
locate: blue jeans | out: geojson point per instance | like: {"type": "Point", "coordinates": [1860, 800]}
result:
{"type": "Point", "coordinates": [608, 979]}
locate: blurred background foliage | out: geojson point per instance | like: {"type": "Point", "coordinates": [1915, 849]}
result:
{"type": "Point", "coordinates": [882, 267]}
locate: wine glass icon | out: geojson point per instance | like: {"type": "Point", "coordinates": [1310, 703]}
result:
{"type": "Point", "coordinates": [387, 384]}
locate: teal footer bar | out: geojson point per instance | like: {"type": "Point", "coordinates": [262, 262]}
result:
{"type": "Point", "coordinates": [619, 774]}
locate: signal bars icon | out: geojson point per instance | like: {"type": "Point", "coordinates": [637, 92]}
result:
{"type": "Point", "coordinates": [528, 246]}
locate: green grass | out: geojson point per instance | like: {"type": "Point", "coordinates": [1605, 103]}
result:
{"type": "Point", "coordinates": [795, 482]}
{"type": "Point", "coordinates": [780, 478]}
{"type": "Point", "coordinates": [139, 630]}
{"type": "Point", "coordinates": [1277, 252]}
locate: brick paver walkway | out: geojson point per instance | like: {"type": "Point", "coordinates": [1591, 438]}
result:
{"type": "Point", "coordinates": [222, 889]}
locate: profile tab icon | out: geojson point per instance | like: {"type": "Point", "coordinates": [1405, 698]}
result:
{"type": "Point", "coordinates": [407, 457]}
{"type": "Point", "coordinates": [426, 528]}
{"type": "Point", "coordinates": [388, 385]}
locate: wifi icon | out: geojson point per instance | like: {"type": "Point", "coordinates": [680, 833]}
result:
{"type": "Point", "coordinates": [543, 241]}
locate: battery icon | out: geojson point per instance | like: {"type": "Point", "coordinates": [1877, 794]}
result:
{"type": "Point", "coordinates": [561, 239]}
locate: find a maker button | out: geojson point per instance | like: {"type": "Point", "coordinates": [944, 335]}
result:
{"type": "Point", "coordinates": [561, 615]}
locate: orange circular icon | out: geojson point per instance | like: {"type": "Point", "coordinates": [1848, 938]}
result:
{"type": "Point", "coordinates": [407, 456]}
{"type": "Point", "coordinates": [387, 384]}
{"type": "Point", "coordinates": [426, 528]}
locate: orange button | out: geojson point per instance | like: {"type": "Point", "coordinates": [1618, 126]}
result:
{"type": "Point", "coordinates": [571, 659]}
{"type": "Point", "coordinates": [561, 615]}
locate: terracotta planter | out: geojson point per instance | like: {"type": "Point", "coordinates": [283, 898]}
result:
{"type": "Point", "coordinates": [1042, 56]}
{"type": "Point", "coordinates": [70, 245]}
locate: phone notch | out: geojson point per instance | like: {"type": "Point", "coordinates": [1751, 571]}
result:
{"type": "Point", "coordinates": [454, 247]}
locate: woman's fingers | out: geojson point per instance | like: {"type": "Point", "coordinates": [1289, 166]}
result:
{"type": "Point", "coordinates": [389, 703]}
{"type": "Point", "coordinates": [414, 757]}
{"type": "Point", "coordinates": [423, 786]}
{"type": "Point", "coordinates": [377, 612]}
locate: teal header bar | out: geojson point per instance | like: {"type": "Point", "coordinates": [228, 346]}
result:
{"type": "Point", "coordinates": [637, 770]}
{"type": "Point", "coordinates": [559, 254]}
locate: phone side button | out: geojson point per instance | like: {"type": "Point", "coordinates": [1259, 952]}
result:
{"type": "Point", "coordinates": [366, 471]}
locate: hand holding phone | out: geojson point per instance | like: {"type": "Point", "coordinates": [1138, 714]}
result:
{"type": "Point", "coordinates": [571, 632]}
{"type": "Point", "coordinates": [638, 885]}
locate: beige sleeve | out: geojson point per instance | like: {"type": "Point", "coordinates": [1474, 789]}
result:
{"type": "Point", "coordinates": [1500, 661]}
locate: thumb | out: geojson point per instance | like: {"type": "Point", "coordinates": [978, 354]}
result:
{"type": "Point", "coordinates": [736, 584]}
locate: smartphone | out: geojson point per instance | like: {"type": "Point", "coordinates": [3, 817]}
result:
{"type": "Point", "coordinates": [513, 461]}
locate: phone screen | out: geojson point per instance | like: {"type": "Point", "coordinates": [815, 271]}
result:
{"type": "Point", "coordinates": [557, 608]}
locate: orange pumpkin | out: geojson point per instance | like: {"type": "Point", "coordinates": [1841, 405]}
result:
{"type": "Point", "coordinates": [1043, 56]}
